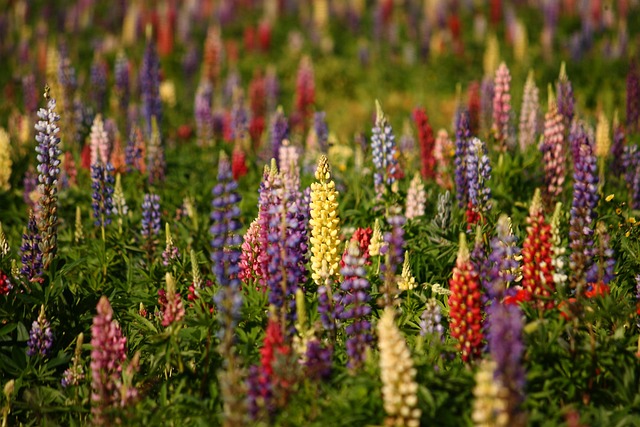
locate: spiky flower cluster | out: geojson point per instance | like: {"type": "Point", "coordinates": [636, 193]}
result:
{"type": "Point", "coordinates": [501, 106]}
{"type": "Point", "coordinates": [399, 387]}
{"type": "Point", "coordinates": [171, 252]}
{"type": "Point", "coordinates": [279, 132]}
{"type": "Point", "coordinates": [478, 173]}
{"type": "Point", "coordinates": [151, 216]}
{"type": "Point", "coordinates": [202, 113]}
{"type": "Point", "coordinates": [503, 263]}
{"type": "Point", "coordinates": [566, 100]}
{"type": "Point", "coordinates": [48, 173]}
{"type": "Point", "coordinates": [431, 320]}
{"type": "Point", "coordinates": [353, 305]}
{"type": "Point", "coordinates": [489, 404]}
{"type": "Point", "coordinates": [73, 375]}
{"type": "Point", "coordinates": [385, 153]}
{"type": "Point", "coordinates": [443, 211]}
{"type": "Point", "coordinates": [102, 182]}
{"type": "Point", "coordinates": [5, 160]}
{"type": "Point", "coordinates": [553, 154]}
{"type": "Point", "coordinates": [305, 91]}
{"type": "Point", "coordinates": [31, 254]}
{"type": "Point", "coordinates": [427, 143]}
{"type": "Point", "coordinates": [558, 251]}
{"type": "Point", "coordinates": [443, 153]}
{"type": "Point", "coordinates": [321, 131]}
{"type": "Point", "coordinates": [602, 271]}
{"type": "Point", "coordinates": [393, 250]}
{"type": "Point", "coordinates": [155, 154]}
{"type": "Point", "coordinates": [465, 305]}
{"type": "Point", "coordinates": [250, 268]}
{"type": "Point", "coordinates": [537, 269]}
{"type": "Point", "coordinates": [40, 337]}
{"type": "Point", "coordinates": [173, 308]}
{"type": "Point", "coordinates": [416, 198]}
{"type": "Point", "coordinates": [528, 127]}
{"type": "Point", "coordinates": [122, 83]}
{"type": "Point", "coordinates": [150, 85]}
{"type": "Point", "coordinates": [407, 282]}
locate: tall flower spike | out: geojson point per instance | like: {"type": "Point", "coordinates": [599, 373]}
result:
{"type": "Point", "coordinates": [427, 143]}
{"type": "Point", "coordinates": [502, 107]}
{"type": "Point", "coordinates": [171, 251]}
{"type": "Point", "coordinates": [203, 113]}
{"type": "Point", "coordinates": [478, 174]}
{"type": "Point", "coordinates": [416, 198]}
{"type": "Point", "coordinates": [354, 305]}
{"type": "Point", "coordinates": [503, 260]}
{"type": "Point", "coordinates": [30, 251]}
{"type": "Point", "coordinates": [385, 154]}
{"type": "Point", "coordinates": [250, 267]}
{"type": "Point", "coordinates": [633, 97]}
{"type": "Point", "coordinates": [4, 245]}
{"type": "Point", "coordinates": [431, 320]}
{"type": "Point", "coordinates": [40, 337]}
{"type": "Point", "coordinates": [321, 130]}
{"type": "Point", "coordinates": [173, 308]}
{"type": "Point", "coordinates": [407, 281]}
{"type": "Point", "coordinates": [305, 92]}
{"type": "Point", "coordinates": [107, 356]}
{"type": "Point", "coordinates": [529, 119]}
{"type": "Point", "coordinates": [48, 172]}
{"type": "Point", "coordinates": [399, 387]}
{"type": "Point", "coordinates": [5, 161]}
{"type": "Point", "coordinates": [150, 221]}
{"type": "Point", "coordinates": [394, 255]}
{"type": "Point", "coordinates": [376, 239]}
{"type": "Point", "coordinates": [443, 211]}
{"type": "Point", "coordinates": [279, 133]}
{"type": "Point", "coordinates": [463, 136]}
{"type": "Point", "coordinates": [583, 215]}
{"type": "Point", "coordinates": [75, 373]}
{"type": "Point", "coordinates": [78, 233]}
{"type": "Point", "coordinates": [102, 184]}
{"type": "Point", "coordinates": [443, 153]}
{"type": "Point", "coordinates": [602, 272]}
{"type": "Point", "coordinates": [553, 154]}
{"type": "Point", "coordinates": [566, 99]}
{"type": "Point", "coordinates": [558, 251]}
{"type": "Point", "coordinates": [122, 83]}
{"type": "Point", "coordinates": [155, 155]}
{"type": "Point", "coordinates": [465, 305]}
{"type": "Point", "coordinates": [489, 403]}
{"type": "Point", "coordinates": [150, 85]}
{"type": "Point", "coordinates": [537, 256]}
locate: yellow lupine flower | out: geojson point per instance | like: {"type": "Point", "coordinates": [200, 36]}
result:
{"type": "Point", "coordinates": [489, 405]}
{"type": "Point", "coordinates": [603, 140]}
{"type": "Point", "coordinates": [376, 240]}
{"type": "Point", "coordinates": [399, 387]}
{"type": "Point", "coordinates": [407, 281]}
{"type": "Point", "coordinates": [325, 225]}
{"type": "Point", "coordinates": [5, 161]}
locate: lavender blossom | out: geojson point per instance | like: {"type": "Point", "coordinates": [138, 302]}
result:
{"type": "Point", "coordinates": [133, 152]}
{"type": "Point", "coordinates": [122, 84]}
{"type": "Point", "coordinates": [40, 337]}
{"type": "Point", "coordinates": [321, 130]}
{"type": "Point", "coordinates": [49, 171]}
{"type": "Point", "coordinates": [394, 253]}
{"type": "Point", "coordinates": [565, 100]}
{"type": "Point", "coordinates": [478, 172]}
{"type": "Point", "coordinates": [150, 216]}
{"type": "Point", "coordinates": [279, 132]}
{"type": "Point", "coordinates": [31, 254]}
{"type": "Point", "coordinates": [502, 260]}
{"type": "Point", "coordinates": [98, 81]}
{"type": "Point", "coordinates": [239, 116]}
{"type": "Point", "coordinates": [431, 320]}
{"type": "Point", "coordinates": [150, 85]}
{"type": "Point", "coordinates": [202, 112]}
{"type": "Point", "coordinates": [102, 181]}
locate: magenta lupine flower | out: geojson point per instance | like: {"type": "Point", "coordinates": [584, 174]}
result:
{"type": "Point", "coordinates": [553, 154]}
{"type": "Point", "coordinates": [203, 113]}
{"type": "Point", "coordinates": [633, 98]}
{"type": "Point", "coordinates": [529, 116]}
{"type": "Point", "coordinates": [250, 268]}
{"type": "Point", "coordinates": [107, 356]}
{"type": "Point", "coordinates": [502, 107]}
{"type": "Point", "coordinates": [352, 305]}
{"type": "Point", "coordinates": [40, 337]}
{"type": "Point", "coordinates": [99, 142]}
{"type": "Point", "coordinates": [583, 216]}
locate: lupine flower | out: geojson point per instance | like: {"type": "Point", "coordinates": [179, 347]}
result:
{"type": "Point", "coordinates": [49, 170]}
{"type": "Point", "coordinates": [394, 255]}
{"type": "Point", "coordinates": [431, 320]}
{"type": "Point", "coordinates": [502, 107]}
{"type": "Point", "coordinates": [305, 92]}
{"type": "Point", "coordinates": [465, 305]}
{"type": "Point", "coordinates": [443, 211]}
{"type": "Point", "coordinates": [463, 136]}
{"type": "Point", "coordinates": [40, 337]}
{"type": "Point", "coordinates": [486, 102]}
{"type": "Point", "coordinates": [102, 181]}
{"type": "Point", "coordinates": [108, 352]}
{"type": "Point", "coordinates": [202, 113]}
{"type": "Point", "coordinates": [537, 256]}
{"type": "Point", "coordinates": [566, 99]}
{"type": "Point", "coordinates": [416, 198]}
{"type": "Point", "coordinates": [5, 161]}
{"type": "Point", "coordinates": [321, 131]}
{"type": "Point", "coordinates": [361, 236]}
{"type": "Point", "coordinates": [5, 284]}
{"type": "Point", "coordinates": [122, 83]}
{"type": "Point", "coordinates": [602, 272]}
{"type": "Point", "coordinates": [318, 359]}
{"type": "Point", "coordinates": [288, 161]}
{"type": "Point", "coordinates": [239, 116]}
{"type": "Point", "coordinates": [503, 263]}
{"type": "Point", "coordinates": [250, 268]}
{"type": "Point", "coordinates": [504, 337]}
{"type": "Point", "coordinates": [529, 120]}
{"type": "Point", "coordinates": [489, 404]}
{"type": "Point", "coordinates": [99, 142]}
{"type": "Point", "coordinates": [150, 218]}
{"type": "Point", "coordinates": [553, 154]}
{"type": "Point", "coordinates": [213, 54]}
{"type": "Point", "coordinates": [603, 140]}
{"type": "Point", "coordinates": [633, 98]}
{"type": "Point", "coordinates": [279, 133]}
{"type": "Point", "coordinates": [558, 258]}
{"type": "Point", "coordinates": [443, 153]}
{"type": "Point", "coordinates": [173, 308]}
{"type": "Point", "coordinates": [399, 387]}
{"type": "Point", "coordinates": [271, 88]}
{"type": "Point", "coordinates": [478, 171]}
{"type": "Point", "coordinates": [583, 216]}
{"type": "Point", "coordinates": [631, 166]}
{"type": "Point", "coordinates": [73, 375]}
{"type": "Point", "coordinates": [98, 81]}
{"type": "Point", "coordinates": [407, 282]}
{"type": "Point", "coordinates": [134, 153]}
{"type": "Point", "coordinates": [30, 251]}
{"type": "Point", "coordinates": [427, 143]}
{"type": "Point", "coordinates": [78, 232]}
{"type": "Point", "coordinates": [473, 107]}
{"type": "Point", "coordinates": [353, 305]}
{"type": "Point", "coordinates": [385, 154]}
{"type": "Point", "coordinates": [377, 239]}
{"type": "Point", "coordinates": [171, 251]}
{"type": "Point", "coordinates": [155, 155]}
{"type": "Point", "coordinates": [150, 85]}
{"type": "Point", "coordinates": [4, 244]}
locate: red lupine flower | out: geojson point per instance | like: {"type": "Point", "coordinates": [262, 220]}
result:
{"type": "Point", "coordinates": [238, 163]}
{"type": "Point", "coordinates": [5, 283]}
{"type": "Point", "coordinates": [249, 38]}
{"type": "Point", "coordinates": [86, 157]}
{"type": "Point", "coordinates": [363, 237]}
{"type": "Point", "coordinates": [537, 268]}
{"type": "Point", "coordinates": [305, 91]}
{"type": "Point", "coordinates": [521, 296]}
{"type": "Point", "coordinates": [264, 36]}
{"type": "Point", "coordinates": [465, 305]}
{"type": "Point", "coordinates": [427, 143]}
{"type": "Point", "coordinates": [70, 170]}
{"type": "Point", "coordinates": [567, 308]}
{"type": "Point", "coordinates": [256, 128]}
{"type": "Point", "coordinates": [274, 346]}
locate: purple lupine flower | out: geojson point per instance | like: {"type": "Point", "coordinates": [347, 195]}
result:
{"type": "Point", "coordinates": [239, 116]}
{"type": "Point", "coordinates": [108, 352]}
{"type": "Point", "coordinates": [502, 260]}
{"type": "Point", "coordinates": [40, 337]}
{"type": "Point", "coordinates": [150, 85]}
{"type": "Point", "coordinates": [133, 152]}
{"type": "Point", "coordinates": [480, 258]}
{"type": "Point", "coordinates": [617, 149]}
{"type": "Point", "coordinates": [271, 89]}
{"type": "Point", "coordinates": [150, 216]}
{"type": "Point", "coordinates": [504, 336]}
{"type": "Point", "coordinates": [49, 170]}
{"type": "Point", "coordinates": [190, 61]}
{"type": "Point", "coordinates": [326, 308]}
{"type": "Point", "coordinates": [501, 107]}
{"type": "Point", "coordinates": [279, 132]}
{"type": "Point", "coordinates": [565, 100]}
{"type": "Point", "coordinates": [583, 215]}
{"type": "Point", "coordinates": [631, 166]}
{"type": "Point", "coordinates": [102, 181]}
{"type": "Point", "coordinates": [478, 170]}
{"type": "Point", "coordinates": [225, 248]}
{"type": "Point", "coordinates": [29, 93]}
{"type": "Point", "coordinates": [487, 90]}
{"type": "Point", "coordinates": [156, 164]}
{"type": "Point", "coordinates": [638, 295]}
{"type": "Point", "coordinates": [259, 392]}
{"type": "Point", "coordinates": [318, 359]}
{"type": "Point", "coordinates": [633, 98]}
{"type": "Point", "coordinates": [322, 130]}
{"type": "Point", "coordinates": [463, 136]}
{"type": "Point", "coordinates": [431, 320]}
{"type": "Point", "coordinates": [202, 112]}
{"type": "Point", "coordinates": [353, 305]}
{"type": "Point", "coordinates": [31, 254]}
{"type": "Point", "coordinates": [122, 83]}
{"type": "Point", "coordinates": [603, 270]}
{"type": "Point", "coordinates": [67, 77]}
{"type": "Point", "coordinates": [98, 81]}
{"type": "Point", "coordinates": [384, 152]}
{"type": "Point", "coordinates": [393, 249]}
{"type": "Point", "coordinates": [578, 135]}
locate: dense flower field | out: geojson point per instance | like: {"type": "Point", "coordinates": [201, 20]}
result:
{"type": "Point", "coordinates": [263, 212]}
